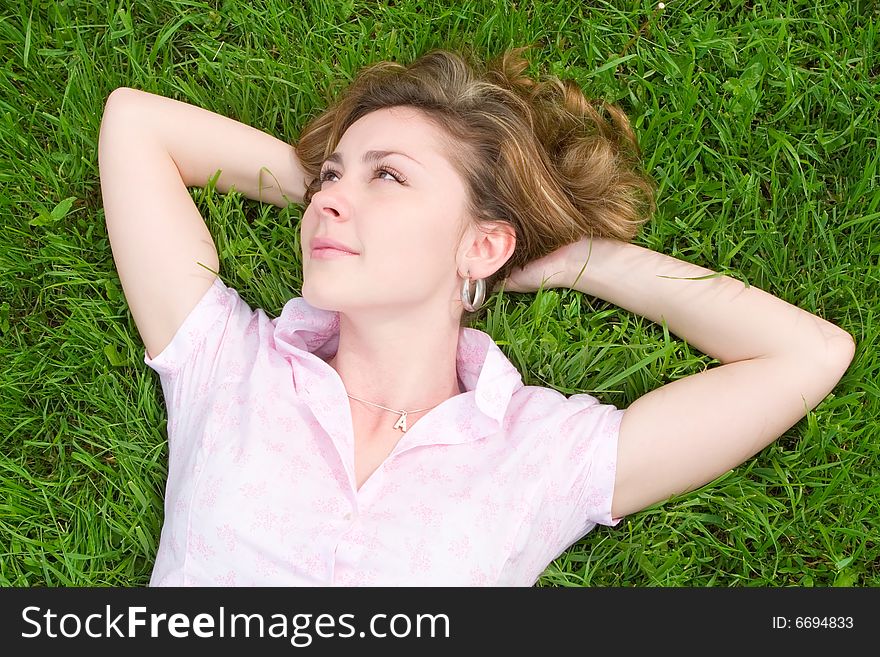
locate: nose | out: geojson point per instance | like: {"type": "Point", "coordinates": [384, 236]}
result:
{"type": "Point", "coordinates": [331, 202]}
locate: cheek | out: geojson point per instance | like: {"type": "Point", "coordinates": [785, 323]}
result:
{"type": "Point", "coordinates": [433, 251]}
{"type": "Point", "coordinates": [412, 248]}
{"type": "Point", "coordinates": [307, 225]}
{"type": "Point", "coordinates": [307, 216]}
{"type": "Point", "coordinates": [430, 234]}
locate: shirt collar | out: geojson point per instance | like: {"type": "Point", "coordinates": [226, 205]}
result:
{"type": "Point", "coordinates": [304, 332]}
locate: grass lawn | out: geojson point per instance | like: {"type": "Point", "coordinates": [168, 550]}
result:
{"type": "Point", "coordinates": [759, 123]}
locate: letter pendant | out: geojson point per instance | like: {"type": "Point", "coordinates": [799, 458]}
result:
{"type": "Point", "coordinates": [401, 423]}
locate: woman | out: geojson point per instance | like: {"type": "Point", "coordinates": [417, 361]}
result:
{"type": "Point", "coordinates": [367, 435]}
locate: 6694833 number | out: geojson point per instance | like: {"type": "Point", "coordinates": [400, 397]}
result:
{"type": "Point", "coordinates": [813, 622]}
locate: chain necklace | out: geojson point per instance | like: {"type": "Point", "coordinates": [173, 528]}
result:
{"type": "Point", "coordinates": [401, 421]}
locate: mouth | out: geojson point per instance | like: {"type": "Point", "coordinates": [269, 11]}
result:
{"type": "Point", "coordinates": [325, 248]}
{"type": "Point", "coordinates": [325, 252]}
{"type": "Point", "coordinates": [328, 246]}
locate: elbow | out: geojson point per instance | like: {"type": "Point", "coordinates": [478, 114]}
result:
{"type": "Point", "coordinates": [831, 344]}
{"type": "Point", "coordinates": [114, 100]}
{"type": "Point", "coordinates": [841, 350]}
{"type": "Point", "coordinates": [121, 97]}
{"type": "Point", "coordinates": [122, 91]}
{"type": "Point", "coordinates": [117, 105]}
{"type": "Point", "coordinates": [839, 345]}
{"type": "Point", "coordinates": [846, 344]}
{"type": "Point", "coordinates": [817, 371]}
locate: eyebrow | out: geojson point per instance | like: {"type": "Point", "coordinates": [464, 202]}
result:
{"type": "Point", "coordinates": [371, 156]}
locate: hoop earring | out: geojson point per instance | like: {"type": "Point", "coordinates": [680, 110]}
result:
{"type": "Point", "coordinates": [479, 294]}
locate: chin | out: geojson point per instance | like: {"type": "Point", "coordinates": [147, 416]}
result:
{"type": "Point", "coordinates": [320, 299]}
{"type": "Point", "coordinates": [316, 300]}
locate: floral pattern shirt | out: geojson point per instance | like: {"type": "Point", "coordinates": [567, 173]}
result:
{"type": "Point", "coordinates": [486, 489]}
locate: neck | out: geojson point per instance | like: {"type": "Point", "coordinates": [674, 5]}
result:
{"type": "Point", "coordinates": [407, 363]}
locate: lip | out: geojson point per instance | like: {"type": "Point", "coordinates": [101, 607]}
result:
{"type": "Point", "coordinates": [330, 246]}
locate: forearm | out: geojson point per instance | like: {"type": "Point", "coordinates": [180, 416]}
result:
{"type": "Point", "coordinates": [201, 142]}
{"type": "Point", "coordinates": [719, 316]}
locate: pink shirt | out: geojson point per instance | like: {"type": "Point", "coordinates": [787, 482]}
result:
{"type": "Point", "coordinates": [485, 489]}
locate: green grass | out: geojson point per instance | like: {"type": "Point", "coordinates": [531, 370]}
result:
{"type": "Point", "coordinates": [760, 124]}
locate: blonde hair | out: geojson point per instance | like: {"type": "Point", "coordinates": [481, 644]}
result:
{"type": "Point", "coordinates": [536, 154]}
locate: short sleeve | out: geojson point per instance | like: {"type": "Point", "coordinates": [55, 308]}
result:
{"type": "Point", "coordinates": [218, 307]}
{"type": "Point", "coordinates": [212, 340]}
{"type": "Point", "coordinates": [582, 467]}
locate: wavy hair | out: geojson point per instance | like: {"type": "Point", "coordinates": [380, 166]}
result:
{"type": "Point", "coordinates": [537, 154]}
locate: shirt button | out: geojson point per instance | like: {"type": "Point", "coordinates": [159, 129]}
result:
{"type": "Point", "coordinates": [346, 517]}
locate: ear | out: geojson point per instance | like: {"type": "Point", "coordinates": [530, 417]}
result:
{"type": "Point", "coordinates": [485, 248]}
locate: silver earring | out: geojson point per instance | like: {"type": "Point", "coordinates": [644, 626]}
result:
{"type": "Point", "coordinates": [479, 294]}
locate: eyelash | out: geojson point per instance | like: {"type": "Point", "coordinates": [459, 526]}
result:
{"type": "Point", "coordinates": [382, 168]}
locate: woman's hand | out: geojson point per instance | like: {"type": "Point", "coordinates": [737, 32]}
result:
{"type": "Point", "coordinates": [553, 270]}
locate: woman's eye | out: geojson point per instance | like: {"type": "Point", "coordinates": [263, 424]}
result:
{"type": "Point", "coordinates": [383, 173]}
{"type": "Point", "coordinates": [328, 175]}
{"type": "Point", "coordinates": [391, 173]}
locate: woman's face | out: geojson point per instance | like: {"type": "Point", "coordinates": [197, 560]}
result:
{"type": "Point", "coordinates": [389, 195]}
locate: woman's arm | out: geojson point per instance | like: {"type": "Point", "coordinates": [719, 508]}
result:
{"type": "Point", "coordinates": [256, 164]}
{"type": "Point", "coordinates": [150, 150]}
{"type": "Point", "coordinates": [720, 316]}
{"type": "Point", "coordinates": [779, 362]}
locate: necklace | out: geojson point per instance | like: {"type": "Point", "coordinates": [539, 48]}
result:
{"type": "Point", "coordinates": [401, 421]}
